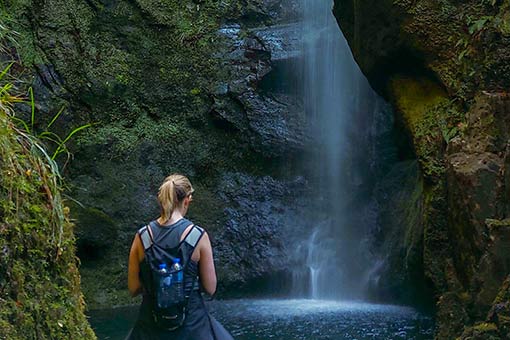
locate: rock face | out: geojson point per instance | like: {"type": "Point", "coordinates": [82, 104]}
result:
{"type": "Point", "coordinates": [173, 86]}
{"type": "Point", "coordinates": [262, 216]}
{"type": "Point", "coordinates": [272, 123]}
{"type": "Point", "coordinates": [444, 67]}
{"type": "Point", "coordinates": [463, 44]}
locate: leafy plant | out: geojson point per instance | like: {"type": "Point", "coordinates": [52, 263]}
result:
{"type": "Point", "coordinates": [476, 26]}
{"type": "Point", "coordinates": [35, 237]}
{"type": "Point", "coordinates": [7, 101]}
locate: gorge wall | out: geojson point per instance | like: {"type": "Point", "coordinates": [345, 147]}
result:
{"type": "Point", "coordinates": [445, 67]}
{"type": "Point", "coordinates": [191, 86]}
{"type": "Point", "coordinates": [174, 86]}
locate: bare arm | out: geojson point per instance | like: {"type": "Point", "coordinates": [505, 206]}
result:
{"type": "Point", "coordinates": [206, 265]}
{"type": "Point", "coordinates": [135, 257]}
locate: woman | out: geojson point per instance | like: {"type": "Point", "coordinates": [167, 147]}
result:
{"type": "Point", "coordinates": [175, 196]}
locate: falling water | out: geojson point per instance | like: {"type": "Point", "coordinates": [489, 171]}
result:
{"type": "Point", "coordinates": [337, 98]}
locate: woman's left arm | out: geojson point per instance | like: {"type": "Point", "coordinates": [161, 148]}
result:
{"type": "Point", "coordinates": [135, 256]}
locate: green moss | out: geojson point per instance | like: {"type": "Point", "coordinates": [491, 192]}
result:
{"type": "Point", "coordinates": [485, 327]}
{"type": "Point", "coordinates": [173, 137]}
{"type": "Point", "coordinates": [502, 20]}
{"type": "Point", "coordinates": [430, 117]}
{"type": "Point", "coordinates": [107, 282]}
{"type": "Point", "coordinates": [497, 224]}
{"type": "Point", "coordinates": [40, 296]}
{"type": "Point", "coordinates": [504, 293]}
{"type": "Point", "coordinates": [94, 229]}
{"type": "Point", "coordinates": [414, 98]}
{"type": "Point", "coordinates": [414, 232]}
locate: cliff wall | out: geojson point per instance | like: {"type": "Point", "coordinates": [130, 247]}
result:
{"type": "Point", "coordinates": [173, 86]}
{"type": "Point", "coordinates": [444, 66]}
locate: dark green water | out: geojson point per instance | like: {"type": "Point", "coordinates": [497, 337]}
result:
{"type": "Point", "coordinates": [292, 320]}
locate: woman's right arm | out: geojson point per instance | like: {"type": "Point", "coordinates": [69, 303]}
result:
{"type": "Point", "coordinates": [206, 265]}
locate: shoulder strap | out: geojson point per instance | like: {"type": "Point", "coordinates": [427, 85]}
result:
{"type": "Point", "coordinates": [194, 236]}
{"type": "Point", "coordinates": [146, 236]}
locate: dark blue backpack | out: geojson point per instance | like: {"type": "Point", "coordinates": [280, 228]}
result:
{"type": "Point", "coordinates": [172, 315]}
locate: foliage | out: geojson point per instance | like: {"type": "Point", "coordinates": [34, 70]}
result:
{"type": "Point", "coordinates": [8, 38]}
{"type": "Point", "coordinates": [39, 285]}
{"type": "Point", "coordinates": [440, 124]}
{"type": "Point", "coordinates": [40, 294]}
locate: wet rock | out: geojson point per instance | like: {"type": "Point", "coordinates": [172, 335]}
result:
{"type": "Point", "coordinates": [272, 124]}
{"type": "Point", "coordinates": [415, 37]}
{"type": "Point", "coordinates": [283, 41]}
{"type": "Point", "coordinates": [399, 206]}
{"type": "Point", "coordinates": [494, 265]}
{"type": "Point", "coordinates": [260, 219]}
{"type": "Point", "coordinates": [451, 311]}
{"type": "Point", "coordinates": [253, 12]}
{"type": "Point", "coordinates": [473, 184]}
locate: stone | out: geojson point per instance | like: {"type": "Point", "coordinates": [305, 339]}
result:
{"type": "Point", "coordinates": [453, 316]}
{"type": "Point", "coordinates": [95, 231]}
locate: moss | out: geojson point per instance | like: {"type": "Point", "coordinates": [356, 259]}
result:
{"type": "Point", "coordinates": [431, 118]}
{"type": "Point", "coordinates": [485, 327]}
{"type": "Point", "coordinates": [502, 20]}
{"type": "Point", "coordinates": [414, 98]}
{"type": "Point", "coordinates": [106, 282]}
{"type": "Point", "coordinates": [493, 224]}
{"type": "Point", "coordinates": [40, 295]}
{"type": "Point", "coordinates": [94, 230]}
{"type": "Point", "coordinates": [504, 293]}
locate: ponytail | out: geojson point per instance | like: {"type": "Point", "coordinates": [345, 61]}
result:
{"type": "Point", "coordinates": [167, 199]}
{"type": "Point", "coordinates": [171, 194]}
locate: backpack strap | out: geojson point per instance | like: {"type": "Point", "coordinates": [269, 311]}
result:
{"type": "Point", "coordinates": [194, 236]}
{"type": "Point", "coordinates": [146, 237]}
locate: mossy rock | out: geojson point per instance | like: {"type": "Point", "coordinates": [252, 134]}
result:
{"type": "Point", "coordinates": [40, 296]}
{"type": "Point", "coordinates": [451, 315]}
{"type": "Point", "coordinates": [95, 231]}
{"type": "Point", "coordinates": [413, 97]}
{"type": "Point", "coordinates": [481, 331]}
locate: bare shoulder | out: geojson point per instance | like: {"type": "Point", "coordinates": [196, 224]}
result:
{"type": "Point", "coordinates": [136, 240]}
{"type": "Point", "coordinates": [137, 247]}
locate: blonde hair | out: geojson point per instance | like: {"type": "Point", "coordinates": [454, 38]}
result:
{"type": "Point", "coordinates": [172, 192]}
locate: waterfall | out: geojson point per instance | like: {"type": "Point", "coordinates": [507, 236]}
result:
{"type": "Point", "coordinates": [341, 109]}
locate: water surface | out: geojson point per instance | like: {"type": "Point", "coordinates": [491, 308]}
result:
{"type": "Point", "coordinates": [293, 320]}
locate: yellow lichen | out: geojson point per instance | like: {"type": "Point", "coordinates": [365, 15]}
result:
{"type": "Point", "coordinates": [414, 97]}
{"type": "Point", "coordinates": [485, 327]}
